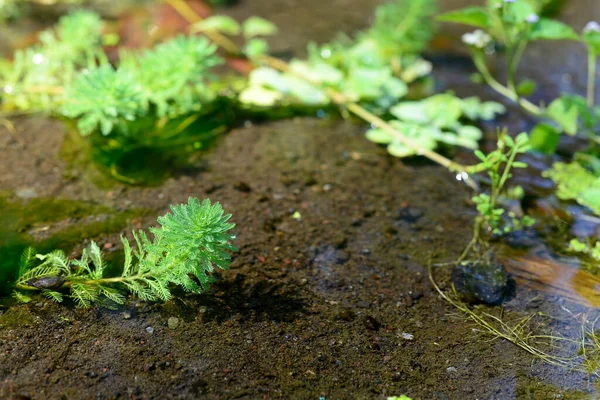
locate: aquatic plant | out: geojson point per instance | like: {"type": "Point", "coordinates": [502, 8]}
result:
{"type": "Point", "coordinates": [190, 243]}
{"type": "Point", "coordinates": [436, 119]}
{"type": "Point", "coordinates": [68, 75]}
{"type": "Point", "coordinates": [35, 80]}
{"type": "Point", "coordinates": [166, 81]}
{"type": "Point", "coordinates": [516, 24]}
{"type": "Point", "coordinates": [498, 164]}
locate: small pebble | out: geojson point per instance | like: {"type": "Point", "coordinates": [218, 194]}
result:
{"type": "Point", "coordinates": [407, 336]}
{"type": "Point", "coordinates": [346, 315]}
{"type": "Point", "coordinates": [173, 323]}
{"type": "Point", "coordinates": [242, 187]}
{"type": "Point", "coordinates": [451, 370]}
{"type": "Point", "coordinates": [370, 323]}
{"type": "Point", "coordinates": [126, 315]}
{"type": "Point", "coordinates": [150, 330]}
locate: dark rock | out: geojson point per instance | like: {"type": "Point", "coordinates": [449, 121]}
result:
{"type": "Point", "coordinates": [242, 187]}
{"type": "Point", "coordinates": [415, 365]}
{"type": "Point", "coordinates": [409, 214]}
{"type": "Point", "coordinates": [363, 304]}
{"type": "Point", "coordinates": [371, 323]}
{"type": "Point", "coordinates": [486, 282]}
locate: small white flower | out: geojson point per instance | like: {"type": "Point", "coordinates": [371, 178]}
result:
{"type": "Point", "coordinates": [592, 26]}
{"type": "Point", "coordinates": [38, 58]}
{"type": "Point", "coordinates": [8, 89]}
{"type": "Point", "coordinates": [532, 18]}
{"type": "Point", "coordinates": [478, 39]}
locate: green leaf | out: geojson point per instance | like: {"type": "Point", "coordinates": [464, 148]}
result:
{"type": "Point", "coordinates": [526, 87]}
{"type": "Point", "coordinates": [592, 39]}
{"type": "Point", "coordinates": [218, 23]}
{"type": "Point", "coordinates": [256, 48]}
{"type": "Point", "coordinates": [20, 297]}
{"type": "Point", "coordinates": [473, 16]}
{"type": "Point", "coordinates": [549, 29]}
{"type": "Point", "coordinates": [412, 111]}
{"type": "Point", "coordinates": [575, 182]}
{"type": "Point", "coordinates": [256, 26]}
{"type": "Point", "coordinates": [519, 11]}
{"type": "Point", "coordinates": [544, 138]}
{"type": "Point", "coordinates": [417, 135]}
{"type": "Point", "coordinates": [443, 110]}
{"type": "Point", "coordinates": [379, 136]}
{"type": "Point", "coordinates": [565, 113]}
{"type": "Point", "coordinates": [474, 109]}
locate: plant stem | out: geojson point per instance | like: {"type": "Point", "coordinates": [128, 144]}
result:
{"type": "Point", "coordinates": [591, 79]}
{"type": "Point", "coordinates": [503, 90]}
{"type": "Point", "coordinates": [338, 98]}
{"type": "Point", "coordinates": [192, 17]}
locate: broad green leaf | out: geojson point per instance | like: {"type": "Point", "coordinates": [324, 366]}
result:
{"type": "Point", "coordinates": [526, 87]}
{"type": "Point", "coordinates": [565, 113]}
{"type": "Point", "coordinates": [219, 23]}
{"type": "Point", "coordinates": [256, 26]}
{"type": "Point", "coordinates": [443, 110]}
{"type": "Point", "coordinates": [366, 82]}
{"type": "Point", "coordinates": [474, 109]}
{"type": "Point", "coordinates": [260, 96]}
{"type": "Point", "coordinates": [395, 87]}
{"type": "Point", "coordinates": [519, 11]}
{"type": "Point", "coordinates": [585, 113]}
{"type": "Point", "coordinates": [591, 197]}
{"type": "Point", "coordinates": [544, 138]}
{"type": "Point", "coordinates": [379, 136]}
{"type": "Point", "coordinates": [417, 135]}
{"type": "Point", "coordinates": [269, 77]}
{"type": "Point", "coordinates": [317, 72]}
{"type": "Point", "coordinates": [416, 70]}
{"type": "Point", "coordinates": [470, 132]}
{"type": "Point", "coordinates": [592, 39]}
{"type": "Point", "coordinates": [549, 29]}
{"type": "Point", "coordinates": [305, 92]}
{"type": "Point", "coordinates": [413, 111]}
{"type": "Point", "coordinates": [256, 48]}
{"type": "Point", "coordinates": [473, 16]}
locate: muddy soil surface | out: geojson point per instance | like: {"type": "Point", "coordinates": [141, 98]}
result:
{"type": "Point", "coordinates": [334, 302]}
{"type": "Point", "coordinates": [316, 306]}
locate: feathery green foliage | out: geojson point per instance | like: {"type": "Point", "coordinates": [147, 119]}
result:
{"type": "Point", "coordinates": [35, 79]}
{"type": "Point", "coordinates": [68, 74]}
{"type": "Point", "coordinates": [403, 26]}
{"type": "Point", "coordinates": [191, 241]}
{"type": "Point", "coordinates": [169, 80]}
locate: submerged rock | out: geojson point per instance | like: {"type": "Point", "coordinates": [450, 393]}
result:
{"type": "Point", "coordinates": [482, 282]}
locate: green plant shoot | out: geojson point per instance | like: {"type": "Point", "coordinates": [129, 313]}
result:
{"type": "Point", "coordinates": [190, 243]}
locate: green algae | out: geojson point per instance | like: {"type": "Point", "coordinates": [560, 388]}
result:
{"type": "Point", "coordinates": [19, 221]}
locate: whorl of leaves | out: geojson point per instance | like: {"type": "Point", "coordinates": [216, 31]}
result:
{"type": "Point", "coordinates": [191, 241]}
{"type": "Point", "coordinates": [170, 78]}
{"type": "Point", "coordinates": [403, 26]}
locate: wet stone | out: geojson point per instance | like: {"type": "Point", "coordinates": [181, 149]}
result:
{"type": "Point", "coordinates": [488, 283]}
{"type": "Point", "coordinates": [173, 323]}
{"type": "Point", "coordinates": [242, 187]}
{"type": "Point", "coordinates": [370, 323]}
